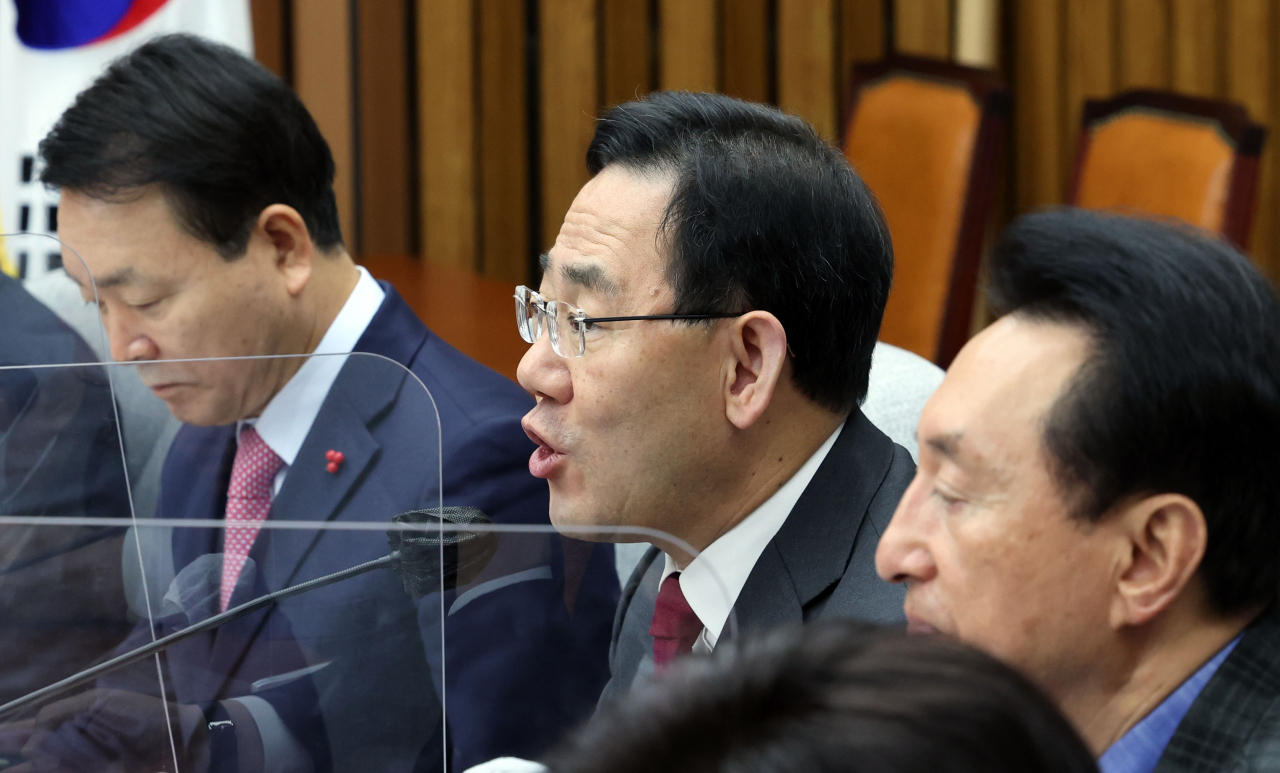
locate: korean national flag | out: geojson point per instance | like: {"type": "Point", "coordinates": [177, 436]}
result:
{"type": "Point", "coordinates": [50, 50]}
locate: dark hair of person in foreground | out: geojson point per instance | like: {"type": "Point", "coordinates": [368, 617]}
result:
{"type": "Point", "coordinates": [834, 696]}
{"type": "Point", "coordinates": [1181, 392]}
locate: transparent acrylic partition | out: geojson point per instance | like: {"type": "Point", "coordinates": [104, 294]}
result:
{"type": "Point", "coordinates": [383, 615]}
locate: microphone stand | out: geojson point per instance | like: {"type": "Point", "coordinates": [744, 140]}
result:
{"type": "Point", "coordinates": [120, 661]}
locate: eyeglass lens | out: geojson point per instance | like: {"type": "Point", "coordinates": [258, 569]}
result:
{"type": "Point", "coordinates": [561, 320]}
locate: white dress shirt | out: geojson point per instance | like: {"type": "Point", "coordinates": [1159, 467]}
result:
{"type": "Point", "coordinates": [287, 419]}
{"type": "Point", "coordinates": [713, 580]}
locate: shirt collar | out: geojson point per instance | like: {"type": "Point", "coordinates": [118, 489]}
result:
{"type": "Point", "coordinates": [287, 419]}
{"type": "Point", "coordinates": [715, 577]}
{"type": "Point", "coordinates": [1139, 750]}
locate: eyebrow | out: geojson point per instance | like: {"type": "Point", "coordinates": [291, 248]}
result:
{"type": "Point", "coordinates": [113, 279]}
{"type": "Point", "coordinates": [590, 276]}
{"type": "Point", "coordinates": [947, 445]}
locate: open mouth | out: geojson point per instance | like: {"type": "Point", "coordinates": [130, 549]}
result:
{"type": "Point", "coordinates": [545, 459]}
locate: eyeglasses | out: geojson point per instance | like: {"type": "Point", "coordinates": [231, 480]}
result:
{"type": "Point", "coordinates": [568, 325]}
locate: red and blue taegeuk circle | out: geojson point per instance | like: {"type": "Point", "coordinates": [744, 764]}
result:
{"type": "Point", "coordinates": [55, 24]}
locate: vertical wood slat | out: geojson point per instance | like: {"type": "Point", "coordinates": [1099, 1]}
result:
{"type": "Point", "coordinates": [1250, 47]}
{"type": "Point", "coordinates": [504, 155]}
{"type": "Point", "coordinates": [628, 49]}
{"type": "Point", "coordinates": [268, 34]}
{"type": "Point", "coordinates": [386, 205]}
{"type": "Point", "coordinates": [744, 46]}
{"type": "Point", "coordinates": [923, 27]}
{"type": "Point", "coordinates": [861, 39]}
{"type": "Point", "coordinates": [806, 62]}
{"type": "Point", "coordinates": [322, 78]}
{"type": "Point", "coordinates": [1037, 113]}
{"type": "Point", "coordinates": [568, 88]}
{"type": "Point", "coordinates": [1195, 34]}
{"type": "Point", "coordinates": [976, 40]}
{"type": "Point", "coordinates": [1143, 27]}
{"type": "Point", "coordinates": [447, 132]}
{"type": "Point", "coordinates": [688, 45]}
{"type": "Point", "coordinates": [1090, 66]}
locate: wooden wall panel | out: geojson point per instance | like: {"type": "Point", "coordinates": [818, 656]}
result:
{"type": "Point", "coordinates": [1251, 52]}
{"type": "Point", "coordinates": [269, 30]}
{"type": "Point", "coordinates": [628, 65]}
{"type": "Point", "coordinates": [1037, 105]}
{"type": "Point", "coordinates": [386, 204]}
{"type": "Point", "coordinates": [688, 45]}
{"type": "Point", "coordinates": [745, 43]}
{"type": "Point", "coordinates": [504, 147]}
{"type": "Point", "coordinates": [1090, 71]}
{"type": "Point", "coordinates": [322, 70]}
{"type": "Point", "coordinates": [447, 132]}
{"type": "Point", "coordinates": [1196, 32]}
{"type": "Point", "coordinates": [976, 38]}
{"type": "Point", "coordinates": [1143, 28]}
{"type": "Point", "coordinates": [923, 27]}
{"type": "Point", "coordinates": [807, 62]}
{"type": "Point", "coordinates": [860, 38]}
{"type": "Point", "coordinates": [568, 89]}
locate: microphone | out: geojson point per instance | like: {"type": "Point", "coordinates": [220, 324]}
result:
{"type": "Point", "coordinates": [415, 558]}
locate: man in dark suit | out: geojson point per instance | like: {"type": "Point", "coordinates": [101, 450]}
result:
{"type": "Point", "coordinates": [61, 594]}
{"type": "Point", "coordinates": [199, 192]}
{"type": "Point", "coordinates": [1097, 494]}
{"type": "Point", "coordinates": [712, 302]}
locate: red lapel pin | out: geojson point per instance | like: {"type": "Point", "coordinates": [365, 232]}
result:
{"type": "Point", "coordinates": [335, 459]}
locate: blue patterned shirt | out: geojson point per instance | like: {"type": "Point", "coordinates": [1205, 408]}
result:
{"type": "Point", "coordinates": [1139, 750]}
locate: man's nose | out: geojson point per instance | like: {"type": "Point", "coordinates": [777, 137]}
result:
{"type": "Point", "coordinates": [903, 553]}
{"type": "Point", "coordinates": [129, 344]}
{"type": "Point", "coordinates": [543, 373]}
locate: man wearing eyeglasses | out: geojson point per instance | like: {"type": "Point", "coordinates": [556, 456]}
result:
{"type": "Point", "coordinates": [710, 308]}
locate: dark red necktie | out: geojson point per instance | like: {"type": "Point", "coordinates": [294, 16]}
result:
{"type": "Point", "coordinates": [675, 626]}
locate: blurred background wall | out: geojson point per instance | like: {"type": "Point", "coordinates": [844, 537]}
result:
{"type": "Point", "coordinates": [460, 126]}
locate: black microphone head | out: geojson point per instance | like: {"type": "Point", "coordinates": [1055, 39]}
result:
{"type": "Point", "coordinates": [428, 560]}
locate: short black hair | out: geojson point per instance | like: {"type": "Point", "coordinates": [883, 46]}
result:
{"type": "Point", "coordinates": [831, 697]}
{"type": "Point", "coordinates": [1181, 390]}
{"type": "Point", "coordinates": [221, 135]}
{"type": "Point", "coordinates": [765, 215]}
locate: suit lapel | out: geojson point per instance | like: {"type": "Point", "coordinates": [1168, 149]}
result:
{"type": "Point", "coordinates": [810, 553]}
{"type": "Point", "coordinates": [364, 391]}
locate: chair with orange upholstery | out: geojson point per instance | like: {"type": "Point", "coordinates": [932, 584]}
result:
{"type": "Point", "coordinates": [925, 135]}
{"type": "Point", "coordinates": [1171, 155]}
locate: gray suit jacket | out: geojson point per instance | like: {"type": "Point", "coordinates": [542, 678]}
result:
{"type": "Point", "coordinates": [1234, 724]}
{"type": "Point", "coordinates": [821, 564]}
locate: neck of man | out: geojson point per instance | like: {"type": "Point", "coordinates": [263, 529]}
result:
{"type": "Point", "coordinates": [1152, 662]}
{"type": "Point", "coordinates": [333, 277]}
{"type": "Point", "coordinates": [767, 455]}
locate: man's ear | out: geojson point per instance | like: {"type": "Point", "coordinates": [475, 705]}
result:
{"type": "Point", "coordinates": [1166, 536]}
{"type": "Point", "coordinates": [292, 250]}
{"type": "Point", "coordinates": [756, 360]}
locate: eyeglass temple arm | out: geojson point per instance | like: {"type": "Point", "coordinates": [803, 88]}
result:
{"type": "Point", "coordinates": [659, 316]}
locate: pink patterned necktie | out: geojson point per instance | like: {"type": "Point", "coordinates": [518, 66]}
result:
{"type": "Point", "coordinates": [675, 626]}
{"type": "Point", "coordinates": [248, 499]}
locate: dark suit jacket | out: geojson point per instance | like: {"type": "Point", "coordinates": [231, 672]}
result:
{"type": "Point", "coordinates": [354, 669]}
{"type": "Point", "coordinates": [821, 563]}
{"type": "Point", "coordinates": [61, 591]}
{"type": "Point", "coordinates": [1234, 724]}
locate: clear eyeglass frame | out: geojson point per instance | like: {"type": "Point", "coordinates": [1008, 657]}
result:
{"type": "Point", "coordinates": [566, 325]}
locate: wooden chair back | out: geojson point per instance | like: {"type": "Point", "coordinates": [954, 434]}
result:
{"type": "Point", "coordinates": [1157, 153]}
{"type": "Point", "coordinates": [925, 136]}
